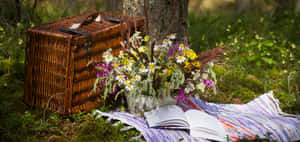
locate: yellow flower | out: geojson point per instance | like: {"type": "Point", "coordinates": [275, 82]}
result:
{"type": "Point", "coordinates": [165, 83]}
{"type": "Point", "coordinates": [190, 54]}
{"type": "Point", "coordinates": [181, 45]}
{"type": "Point", "coordinates": [20, 41]}
{"type": "Point", "coordinates": [247, 45]}
{"type": "Point", "coordinates": [123, 108]}
{"type": "Point", "coordinates": [169, 72]}
{"type": "Point", "coordinates": [132, 61]}
{"type": "Point", "coordinates": [133, 53]}
{"type": "Point", "coordinates": [203, 37]}
{"type": "Point", "coordinates": [115, 65]}
{"type": "Point", "coordinates": [196, 64]}
{"type": "Point", "coordinates": [187, 65]}
{"type": "Point", "coordinates": [146, 38]}
{"type": "Point", "coordinates": [141, 49]}
{"type": "Point", "coordinates": [132, 79]}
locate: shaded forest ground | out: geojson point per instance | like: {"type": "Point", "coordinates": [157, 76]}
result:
{"type": "Point", "coordinates": [266, 56]}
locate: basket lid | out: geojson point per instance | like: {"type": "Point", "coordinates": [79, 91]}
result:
{"type": "Point", "coordinates": [92, 23]}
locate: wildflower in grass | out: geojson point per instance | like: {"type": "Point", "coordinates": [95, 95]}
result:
{"type": "Point", "coordinates": [293, 45]}
{"type": "Point", "coordinates": [180, 59]}
{"type": "Point", "coordinates": [20, 42]}
{"type": "Point", "coordinates": [172, 36]}
{"type": "Point", "coordinates": [208, 83]}
{"type": "Point", "coordinates": [167, 42]}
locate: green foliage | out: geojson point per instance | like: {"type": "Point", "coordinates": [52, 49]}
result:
{"type": "Point", "coordinates": [265, 55]}
{"type": "Point", "coordinates": [102, 130]}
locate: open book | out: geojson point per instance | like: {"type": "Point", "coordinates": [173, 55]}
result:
{"type": "Point", "coordinates": [200, 124]}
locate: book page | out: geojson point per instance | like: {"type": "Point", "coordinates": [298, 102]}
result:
{"type": "Point", "coordinates": [205, 126]}
{"type": "Point", "coordinates": [169, 115]}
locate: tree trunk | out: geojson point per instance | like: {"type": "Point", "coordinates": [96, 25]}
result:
{"type": "Point", "coordinates": [164, 16]}
{"type": "Point", "coordinates": [18, 11]}
{"type": "Point", "coordinates": [297, 8]}
{"type": "Point", "coordinates": [243, 5]}
{"type": "Point", "coordinates": [113, 6]}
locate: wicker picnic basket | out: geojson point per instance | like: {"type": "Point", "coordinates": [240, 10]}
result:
{"type": "Point", "coordinates": [57, 54]}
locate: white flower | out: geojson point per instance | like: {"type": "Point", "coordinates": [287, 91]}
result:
{"type": "Point", "coordinates": [137, 77]}
{"type": "Point", "coordinates": [126, 82]}
{"type": "Point", "coordinates": [151, 67]}
{"type": "Point", "coordinates": [200, 86]}
{"type": "Point", "coordinates": [142, 49]}
{"type": "Point", "coordinates": [108, 57]}
{"type": "Point", "coordinates": [167, 42]}
{"type": "Point", "coordinates": [120, 78]}
{"type": "Point", "coordinates": [143, 70]}
{"type": "Point", "coordinates": [180, 59]}
{"type": "Point", "coordinates": [128, 67]}
{"type": "Point", "coordinates": [129, 86]}
{"type": "Point", "coordinates": [121, 55]}
{"type": "Point", "coordinates": [204, 75]}
{"type": "Point", "coordinates": [133, 52]}
{"type": "Point", "coordinates": [172, 36]}
{"type": "Point", "coordinates": [196, 75]}
{"type": "Point", "coordinates": [181, 46]}
{"type": "Point", "coordinates": [189, 88]}
{"type": "Point", "coordinates": [156, 47]}
{"type": "Point", "coordinates": [210, 64]}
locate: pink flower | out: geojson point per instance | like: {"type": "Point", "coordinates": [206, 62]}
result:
{"type": "Point", "coordinates": [208, 83]}
{"type": "Point", "coordinates": [180, 94]}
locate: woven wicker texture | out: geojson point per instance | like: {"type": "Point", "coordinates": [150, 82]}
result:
{"type": "Point", "coordinates": [56, 71]}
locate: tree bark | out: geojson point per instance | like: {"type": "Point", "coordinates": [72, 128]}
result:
{"type": "Point", "coordinates": [18, 10]}
{"type": "Point", "coordinates": [297, 7]}
{"type": "Point", "coordinates": [113, 6]}
{"type": "Point", "coordinates": [243, 5]}
{"type": "Point", "coordinates": [164, 16]}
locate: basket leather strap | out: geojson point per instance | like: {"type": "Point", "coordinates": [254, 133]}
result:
{"type": "Point", "coordinates": [84, 18]}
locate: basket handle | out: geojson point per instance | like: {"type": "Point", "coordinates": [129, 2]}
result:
{"type": "Point", "coordinates": [84, 18]}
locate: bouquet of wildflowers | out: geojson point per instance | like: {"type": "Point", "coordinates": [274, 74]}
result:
{"type": "Point", "coordinates": [144, 68]}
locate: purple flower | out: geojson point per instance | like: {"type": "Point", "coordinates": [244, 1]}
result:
{"type": "Point", "coordinates": [180, 94]}
{"type": "Point", "coordinates": [208, 83]}
{"type": "Point", "coordinates": [115, 92]}
{"type": "Point", "coordinates": [175, 50]}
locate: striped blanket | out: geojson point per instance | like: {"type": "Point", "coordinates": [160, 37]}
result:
{"type": "Point", "coordinates": [262, 117]}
